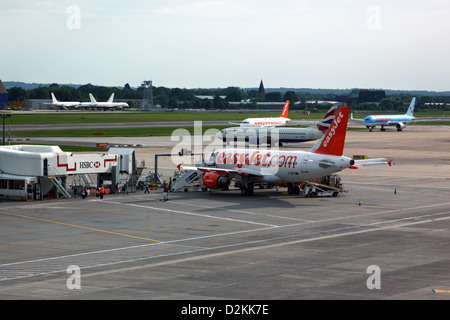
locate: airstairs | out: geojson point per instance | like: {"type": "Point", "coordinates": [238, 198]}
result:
{"type": "Point", "coordinates": [61, 189]}
{"type": "Point", "coordinates": [188, 180]}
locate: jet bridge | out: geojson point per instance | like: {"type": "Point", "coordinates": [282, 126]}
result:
{"type": "Point", "coordinates": [47, 168]}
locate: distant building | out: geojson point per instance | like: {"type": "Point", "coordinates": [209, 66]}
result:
{"type": "Point", "coordinates": [3, 96]}
{"type": "Point", "coordinates": [261, 92]}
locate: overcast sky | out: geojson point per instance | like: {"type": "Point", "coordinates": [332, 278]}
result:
{"type": "Point", "coordinates": [200, 43]}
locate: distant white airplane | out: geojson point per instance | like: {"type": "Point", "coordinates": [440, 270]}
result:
{"type": "Point", "coordinates": [104, 105]}
{"type": "Point", "coordinates": [63, 104]}
{"type": "Point", "coordinates": [267, 122]}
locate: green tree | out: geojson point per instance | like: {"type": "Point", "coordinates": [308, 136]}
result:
{"type": "Point", "coordinates": [16, 92]}
{"type": "Point", "coordinates": [273, 97]}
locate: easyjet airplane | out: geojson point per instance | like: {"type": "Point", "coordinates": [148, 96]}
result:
{"type": "Point", "coordinates": [250, 166]}
{"type": "Point", "coordinates": [267, 122]}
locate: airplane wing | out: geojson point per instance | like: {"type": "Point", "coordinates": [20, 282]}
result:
{"type": "Point", "coordinates": [243, 172]}
{"type": "Point", "coordinates": [359, 120]}
{"type": "Point", "coordinates": [371, 162]}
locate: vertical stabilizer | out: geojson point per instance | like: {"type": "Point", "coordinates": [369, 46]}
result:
{"type": "Point", "coordinates": [333, 141]}
{"type": "Point", "coordinates": [54, 98]}
{"type": "Point", "coordinates": [284, 113]}
{"type": "Point", "coordinates": [410, 111]}
{"type": "Point", "coordinates": [111, 98]}
{"type": "Point", "coordinates": [92, 98]}
{"type": "Point", "coordinates": [327, 120]}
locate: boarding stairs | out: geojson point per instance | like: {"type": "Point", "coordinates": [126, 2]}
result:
{"type": "Point", "coordinates": [61, 189]}
{"type": "Point", "coordinates": [86, 180]}
{"type": "Point", "coordinates": [187, 181]}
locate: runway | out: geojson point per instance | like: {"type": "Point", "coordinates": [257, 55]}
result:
{"type": "Point", "coordinates": [271, 246]}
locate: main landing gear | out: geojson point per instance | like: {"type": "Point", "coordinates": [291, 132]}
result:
{"type": "Point", "coordinates": [293, 189]}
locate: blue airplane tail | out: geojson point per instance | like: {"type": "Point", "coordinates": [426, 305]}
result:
{"type": "Point", "coordinates": [410, 111]}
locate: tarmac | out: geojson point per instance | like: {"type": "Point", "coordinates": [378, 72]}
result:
{"type": "Point", "coordinates": [385, 238]}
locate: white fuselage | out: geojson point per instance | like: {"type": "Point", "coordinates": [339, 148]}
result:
{"type": "Point", "coordinates": [264, 122]}
{"type": "Point", "coordinates": [267, 135]}
{"type": "Point", "coordinates": [278, 166]}
{"type": "Point", "coordinates": [387, 120]}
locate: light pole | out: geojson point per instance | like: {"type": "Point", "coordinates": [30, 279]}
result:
{"type": "Point", "coordinates": [4, 116]}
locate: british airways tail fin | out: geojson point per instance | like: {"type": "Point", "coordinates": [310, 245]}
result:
{"type": "Point", "coordinates": [284, 113]}
{"type": "Point", "coordinates": [333, 141]}
{"type": "Point", "coordinates": [111, 98]}
{"type": "Point", "coordinates": [410, 111]}
{"type": "Point", "coordinates": [326, 121]}
{"type": "Point", "coordinates": [92, 98]}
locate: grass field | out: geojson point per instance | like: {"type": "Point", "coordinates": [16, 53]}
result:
{"type": "Point", "coordinates": [123, 116]}
{"type": "Point", "coordinates": [122, 132]}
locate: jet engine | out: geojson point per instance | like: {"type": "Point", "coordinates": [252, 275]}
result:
{"type": "Point", "coordinates": [215, 181]}
{"type": "Point", "coordinates": [400, 126]}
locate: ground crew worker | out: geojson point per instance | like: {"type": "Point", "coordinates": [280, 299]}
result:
{"type": "Point", "coordinates": [102, 191]}
{"type": "Point", "coordinates": [165, 191]}
{"type": "Point", "coordinates": [84, 192]}
{"type": "Point", "coordinates": [147, 185]}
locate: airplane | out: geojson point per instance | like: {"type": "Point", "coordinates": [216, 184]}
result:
{"type": "Point", "coordinates": [260, 135]}
{"type": "Point", "coordinates": [63, 104]}
{"type": "Point", "coordinates": [267, 122]}
{"type": "Point", "coordinates": [399, 121]}
{"type": "Point", "coordinates": [290, 168]}
{"type": "Point", "coordinates": [106, 105]}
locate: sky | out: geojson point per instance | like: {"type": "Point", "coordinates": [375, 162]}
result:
{"type": "Point", "coordinates": [399, 45]}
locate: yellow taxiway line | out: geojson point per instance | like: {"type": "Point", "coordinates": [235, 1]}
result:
{"type": "Point", "coordinates": [81, 227]}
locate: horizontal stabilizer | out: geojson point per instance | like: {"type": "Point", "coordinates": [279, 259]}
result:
{"type": "Point", "coordinates": [371, 162]}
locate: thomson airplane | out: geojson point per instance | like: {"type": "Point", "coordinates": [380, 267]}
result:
{"type": "Point", "coordinates": [107, 105]}
{"type": "Point", "coordinates": [399, 121]}
{"type": "Point", "coordinates": [250, 166]}
{"type": "Point", "coordinates": [263, 135]}
{"type": "Point", "coordinates": [267, 122]}
{"type": "Point", "coordinates": [63, 104]}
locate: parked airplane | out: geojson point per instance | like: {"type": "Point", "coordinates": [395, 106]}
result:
{"type": "Point", "coordinates": [267, 122]}
{"type": "Point", "coordinates": [263, 135]}
{"type": "Point", "coordinates": [63, 104]}
{"type": "Point", "coordinates": [250, 166]}
{"type": "Point", "coordinates": [399, 121]}
{"type": "Point", "coordinates": [104, 105]}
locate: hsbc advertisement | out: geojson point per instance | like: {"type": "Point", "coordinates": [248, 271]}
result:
{"type": "Point", "coordinates": [67, 163]}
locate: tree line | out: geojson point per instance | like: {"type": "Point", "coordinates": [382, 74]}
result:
{"type": "Point", "coordinates": [183, 98]}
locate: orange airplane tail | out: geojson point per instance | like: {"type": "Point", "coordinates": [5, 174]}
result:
{"type": "Point", "coordinates": [284, 113]}
{"type": "Point", "coordinates": [333, 141]}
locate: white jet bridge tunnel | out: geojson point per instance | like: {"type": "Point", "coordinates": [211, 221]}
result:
{"type": "Point", "coordinates": [32, 172]}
